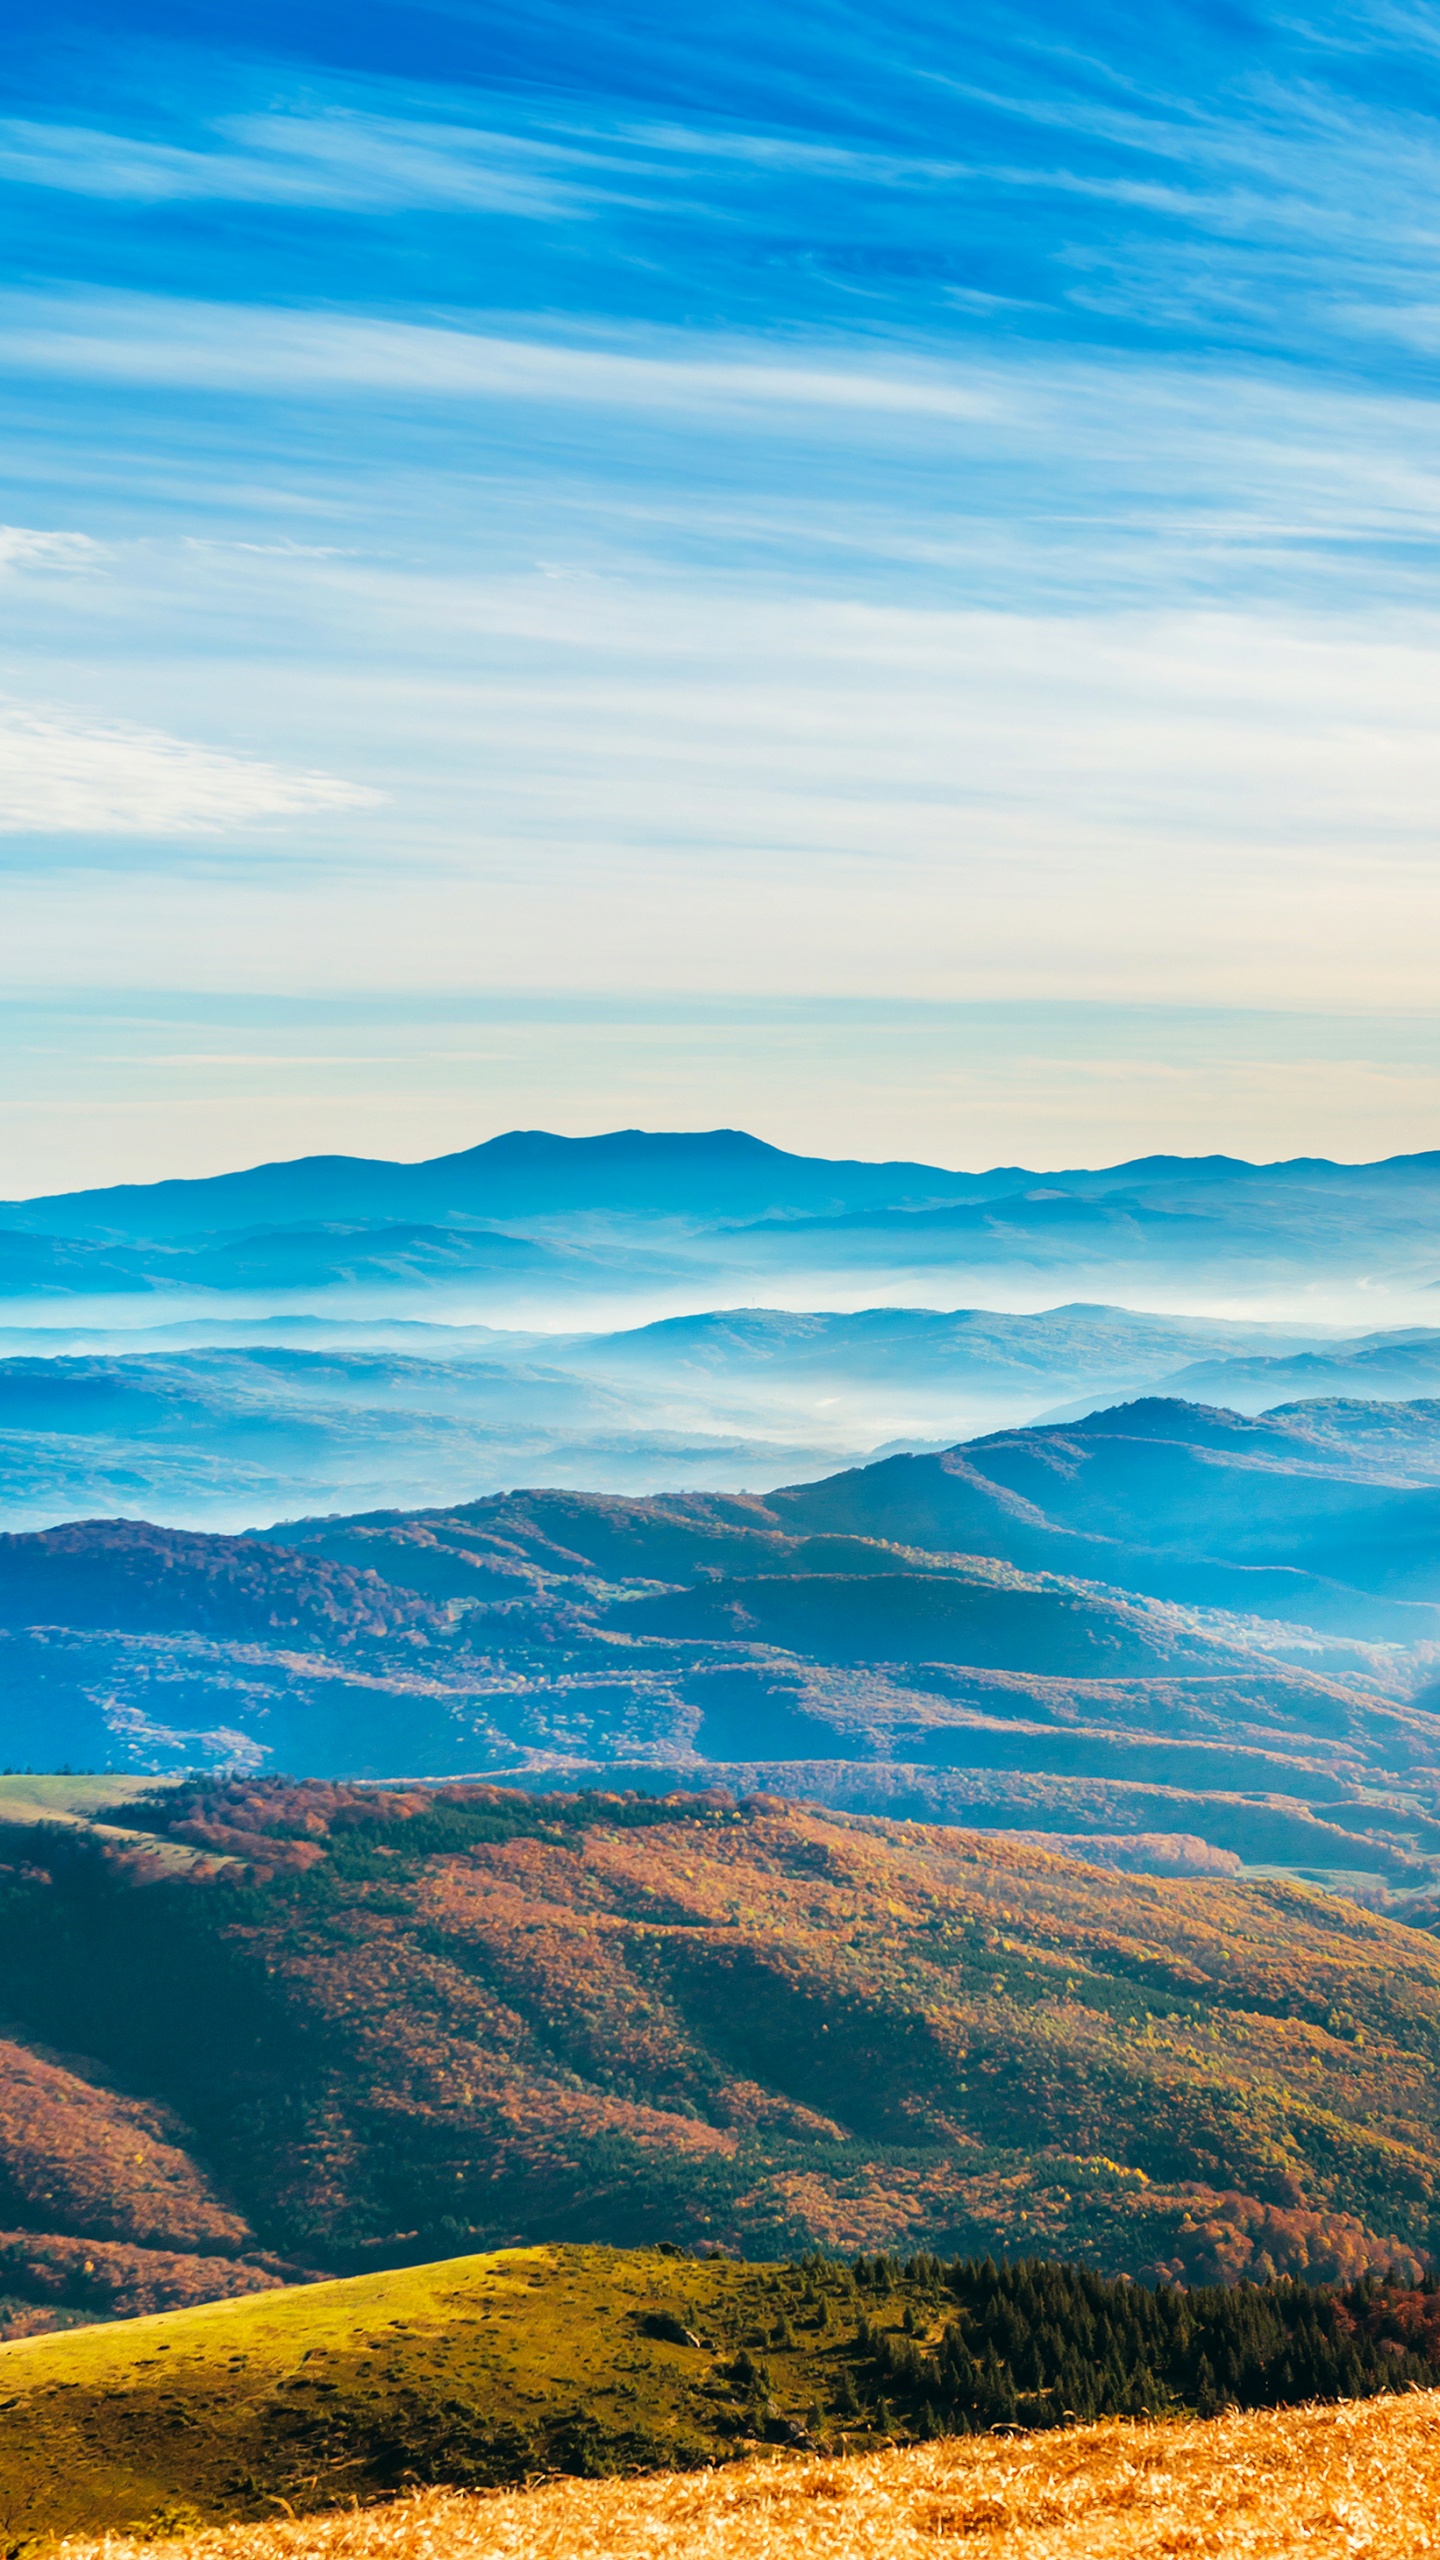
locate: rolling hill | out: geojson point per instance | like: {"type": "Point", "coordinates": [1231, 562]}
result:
{"type": "Point", "coordinates": [304, 1256]}
{"type": "Point", "coordinates": [494, 2369]}
{"type": "Point", "coordinates": [373, 2027]}
{"type": "Point", "coordinates": [126, 1576]}
{"type": "Point", "coordinates": [1394, 1367]}
{"type": "Point", "coordinates": [1324, 1514]}
{"type": "Point", "coordinates": [982, 1615]}
{"type": "Point", "coordinates": [920, 1362]}
{"type": "Point", "coordinates": [1161, 1619]}
{"type": "Point", "coordinates": [1212, 1223]}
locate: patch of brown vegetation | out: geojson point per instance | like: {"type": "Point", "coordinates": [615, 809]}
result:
{"type": "Point", "coordinates": [80, 2159]}
{"type": "Point", "coordinates": [1138, 1853]}
{"type": "Point", "coordinates": [51, 2272]}
{"type": "Point", "coordinates": [1361, 2478]}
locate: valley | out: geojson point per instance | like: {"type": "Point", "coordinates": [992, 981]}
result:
{"type": "Point", "coordinates": [215, 1423]}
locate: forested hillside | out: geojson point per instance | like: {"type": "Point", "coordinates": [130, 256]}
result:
{"type": "Point", "coordinates": [392, 2025]}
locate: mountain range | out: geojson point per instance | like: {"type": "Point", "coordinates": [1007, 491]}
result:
{"type": "Point", "coordinates": [919, 1851]}
{"type": "Point", "coordinates": [530, 1217]}
{"type": "Point", "coordinates": [649, 1311]}
{"type": "Point", "coordinates": [1161, 1619]}
{"type": "Point", "coordinates": [920, 1855]}
{"type": "Point", "coordinates": [528, 1173]}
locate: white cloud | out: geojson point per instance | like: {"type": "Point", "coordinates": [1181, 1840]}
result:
{"type": "Point", "coordinates": [772, 151]}
{"type": "Point", "coordinates": [24, 546]}
{"type": "Point", "coordinates": [345, 157]}
{"type": "Point", "coordinates": [360, 163]}
{"type": "Point", "coordinates": [60, 776]}
{"type": "Point", "coordinates": [143, 339]}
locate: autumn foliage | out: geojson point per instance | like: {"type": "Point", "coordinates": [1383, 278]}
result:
{"type": "Point", "coordinates": [398, 2024]}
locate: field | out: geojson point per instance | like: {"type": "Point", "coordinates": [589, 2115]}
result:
{"type": "Point", "coordinates": [78, 1803]}
{"type": "Point", "coordinates": [1300, 2484]}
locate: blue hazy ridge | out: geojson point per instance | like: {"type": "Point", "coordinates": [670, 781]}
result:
{"type": "Point", "coordinates": [1164, 1618]}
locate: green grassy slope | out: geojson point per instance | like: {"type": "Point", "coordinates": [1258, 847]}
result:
{"type": "Point", "coordinates": [458, 2371]}
{"type": "Point", "coordinates": [478, 2370]}
{"type": "Point", "coordinates": [491, 2369]}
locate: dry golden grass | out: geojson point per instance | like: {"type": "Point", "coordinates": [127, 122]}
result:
{"type": "Point", "coordinates": [1266, 2485]}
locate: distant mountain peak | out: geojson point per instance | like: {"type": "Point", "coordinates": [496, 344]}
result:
{"type": "Point", "coordinates": [545, 1146]}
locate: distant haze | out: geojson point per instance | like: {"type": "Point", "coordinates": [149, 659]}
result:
{"type": "Point", "coordinates": [650, 1310]}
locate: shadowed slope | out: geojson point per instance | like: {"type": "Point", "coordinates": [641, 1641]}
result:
{"type": "Point", "coordinates": [133, 1577]}
{"type": "Point", "coordinates": [1309, 1516]}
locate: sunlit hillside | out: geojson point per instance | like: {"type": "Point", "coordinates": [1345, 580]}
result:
{"type": "Point", "coordinates": [394, 2026]}
{"type": "Point", "coordinates": [492, 2372]}
{"type": "Point", "coordinates": [1283, 2485]}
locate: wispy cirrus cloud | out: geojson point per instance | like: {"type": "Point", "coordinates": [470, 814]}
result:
{"type": "Point", "coordinates": [64, 775]}
{"type": "Point", "coordinates": [1044, 171]}
{"type": "Point", "coordinates": [1019, 470]}
{"type": "Point", "coordinates": [336, 158]}
{"type": "Point", "coordinates": [827, 498]}
{"type": "Point", "coordinates": [217, 346]}
{"type": "Point", "coordinates": [24, 546]}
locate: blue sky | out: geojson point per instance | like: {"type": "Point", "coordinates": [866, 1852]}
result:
{"type": "Point", "coordinates": [866, 571]}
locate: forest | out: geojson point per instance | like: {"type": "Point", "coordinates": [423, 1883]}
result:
{"type": "Point", "coordinates": [375, 2027]}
